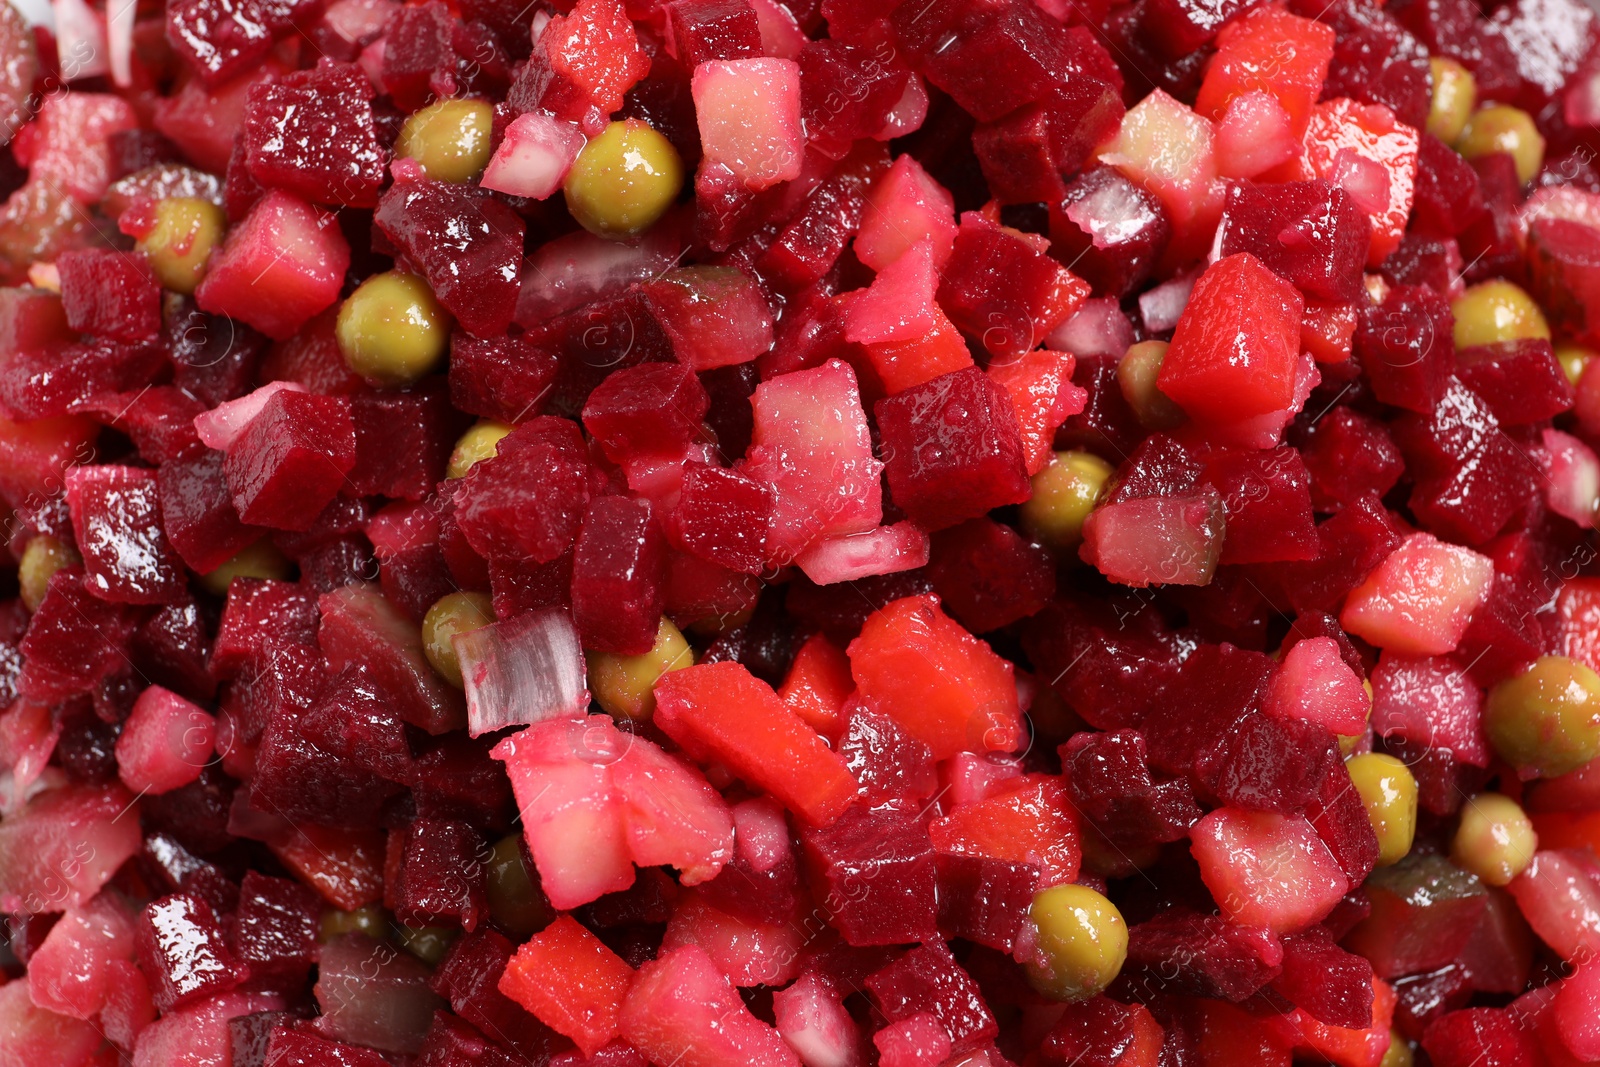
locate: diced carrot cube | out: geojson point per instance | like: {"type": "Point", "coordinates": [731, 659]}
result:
{"type": "Point", "coordinates": [570, 981]}
{"type": "Point", "coordinates": [818, 684]}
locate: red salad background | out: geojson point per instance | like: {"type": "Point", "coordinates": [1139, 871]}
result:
{"type": "Point", "coordinates": [1033, 533]}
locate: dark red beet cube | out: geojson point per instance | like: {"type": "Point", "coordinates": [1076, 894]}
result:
{"type": "Point", "coordinates": [988, 576]}
{"type": "Point", "coordinates": [468, 979]}
{"type": "Point", "coordinates": [159, 419]}
{"type": "Point", "coordinates": [75, 640]}
{"type": "Point", "coordinates": [1375, 60]}
{"type": "Point", "coordinates": [1519, 380]}
{"type": "Point", "coordinates": [403, 441]}
{"type": "Point", "coordinates": [301, 1046]}
{"type": "Point", "coordinates": [441, 875]}
{"type": "Point", "coordinates": [116, 522]}
{"type": "Point", "coordinates": [275, 928]}
{"type": "Point", "coordinates": [1106, 425]}
{"type": "Point", "coordinates": [336, 764]}
{"type": "Point", "coordinates": [1108, 779]}
{"type": "Point", "coordinates": [1311, 233]}
{"type": "Point", "coordinates": [654, 409]}
{"type": "Point", "coordinates": [1491, 245]}
{"type": "Point", "coordinates": [1181, 27]}
{"type": "Point", "coordinates": [1354, 541]}
{"type": "Point", "coordinates": [954, 449]}
{"type": "Point", "coordinates": [175, 869]}
{"type": "Point", "coordinates": [110, 294]}
{"type": "Point", "coordinates": [1004, 289]}
{"type": "Point", "coordinates": [453, 1042]}
{"type": "Point", "coordinates": [1092, 1033]}
{"type": "Point", "coordinates": [846, 93]}
{"type": "Point", "coordinates": [1182, 951]}
{"type": "Point", "coordinates": [1564, 269]}
{"type": "Point", "coordinates": [1025, 154]}
{"type": "Point", "coordinates": [527, 501]}
{"type": "Point", "coordinates": [713, 29]}
{"type": "Point", "coordinates": [183, 953]}
{"type": "Point", "coordinates": [1424, 261]}
{"type": "Point", "coordinates": [1406, 347]}
{"type": "Point", "coordinates": [619, 576]}
{"type": "Point", "coordinates": [312, 134]}
{"type": "Point", "coordinates": [1326, 982]}
{"type": "Point", "coordinates": [416, 49]}
{"type": "Point", "coordinates": [412, 569]}
{"type": "Point", "coordinates": [991, 57]}
{"type": "Point", "coordinates": [48, 382]}
{"type": "Point", "coordinates": [1448, 197]}
{"type": "Point", "coordinates": [457, 780]}
{"type": "Point", "coordinates": [1266, 497]}
{"type": "Point", "coordinates": [888, 762]}
{"type": "Point", "coordinates": [1341, 823]}
{"type": "Point", "coordinates": [312, 358]}
{"type": "Point", "coordinates": [1480, 1036]}
{"type": "Point", "coordinates": [1470, 477]}
{"type": "Point", "coordinates": [1349, 454]}
{"type": "Point", "coordinates": [291, 459]}
{"type": "Point", "coordinates": [722, 518]}
{"type": "Point", "coordinates": [1220, 683]}
{"type": "Point", "coordinates": [928, 979]}
{"type": "Point", "coordinates": [812, 241]}
{"type": "Point", "coordinates": [1112, 231]}
{"type": "Point", "coordinates": [503, 378]}
{"type": "Point", "coordinates": [283, 679]}
{"type": "Point", "coordinates": [223, 38]}
{"type": "Point", "coordinates": [171, 649]}
{"type": "Point", "coordinates": [1267, 764]}
{"type": "Point", "coordinates": [250, 1035]}
{"type": "Point", "coordinates": [467, 245]}
{"type": "Point", "coordinates": [878, 865]}
{"type": "Point", "coordinates": [984, 900]}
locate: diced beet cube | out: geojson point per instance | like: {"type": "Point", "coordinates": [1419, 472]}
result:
{"type": "Point", "coordinates": [1267, 870]}
{"type": "Point", "coordinates": [33, 454]}
{"type": "Point", "coordinates": [275, 929]}
{"type": "Point", "coordinates": [1025, 154]}
{"type": "Point", "coordinates": [52, 381]}
{"type": "Point", "coordinates": [1565, 273]}
{"type": "Point", "coordinates": [468, 978]}
{"type": "Point", "coordinates": [995, 56]}
{"type": "Point", "coordinates": [527, 501]}
{"type": "Point", "coordinates": [648, 410]}
{"type": "Point", "coordinates": [1101, 1030]}
{"type": "Point", "coordinates": [928, 979]}
{"type": "Point", "coordinates": [1364, 149]}
{"type": "Point", "coordinates": [358, 626]}
{"type": "Point", "coordinates": [1420, 599]}
{"type": "Point", "coordinates": [955, 449]}
{"type": "Point", "coordinates": [1340, 819]}
{"type": "Point", "coordinates": [1265, 763]}
{"type": "Point", "coordinates": [714, 316]}
{"type": "Point", "coordinates": [1112, 231]}
{"type": "Point", "coordinates": [291, 459]}
{"type": "Point", "coordinates": [74, 641]}
{"type": "Point", "coordinates": [1429, 701]}
{"type": "Point", "coordinates": [222, 38]}
{"type": "Point", "coordinates": [403, 441]}
{"type": "Point", "coordinates": [681, 1010]}
{"type": "Point", "coordinates": [415, 48]}
{"type": "Point", "coordinates": [257, 615]}
{"type": "Point", "coordinates": [749, 116]}
{"type": "Point", "coordinates": [1201, 955]}
{"type": "Point", "coordinates": [618, 574]}
{"type": "Point", "coordinates": [915, 1041]}
{"type": "Point", "coordinates": [1448, 197]}
{"type": "Point", "coordinates": [1406, 347]}
{"type": "Point", "coordinates": [1235, 350]}
{"type": "Point", "coordinates": [812, 445]}
{"type": "Point", "coordinates": [1311, 233]}
{"type": "Point", "coordinates": [467, 245]}
{"type": "Point", "coordinates": [182, 950]}
{"type": "Point", "coordinates": [984, 900]}
{"type": "Point", "coordinates": [1026, 820]}
{"type": "Point", "coordinates": [1108, 779]}
{"type": "Point", "coordinates": [501, 378]}
{"type": "Point", "coordinates": [372, 995]}
{"type": "Point", "coordinates": [1424, 909]}
{"type": "Point", "coordinates": [887, 856]}
{"type": "Point", "coordinates": [312, 135]}
{"type": "Point", "coordinates": [280, 266]}
{"type": "Point", "coordinates": [1479, 1035]}
{"type": "Point", "coordinates": [1519, 380]}
{"type": "Point", "coordinates": [294, 1045]}
{"type": "Point", "coordinates": [988, 576]}
{"type": "Point", "coordinates": [722, 517]}
{"type": "Point", "coordinates": [1349, 454]}
{"type": "Point", "coordinates": [846, 93]}
{"type": "Point", "coordinates": [441, 876]}
{"type": "Point", "coordinates": [572, 982]}
{"type": "Point", "coordinates": [1267, 503]}
{"type": "Point", "coordinates": [1003, 289]}
{"type": "Point", "coordinates": [159, 419]}
{"type": "Point", "coordinates": [812, 241]}
{"type": "Point", "coordinates": [116, 524]}
{"type": "Point", "coordinates": [110, 294]}
{"type": "Point", "coordinates": [887, 761]}
{"type": "Point", "coordinates": [165, 742]}
{"type": "Point", "coordinates": [713, 29]}
{"type": "Point", "coordinates": [1331, 985]}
